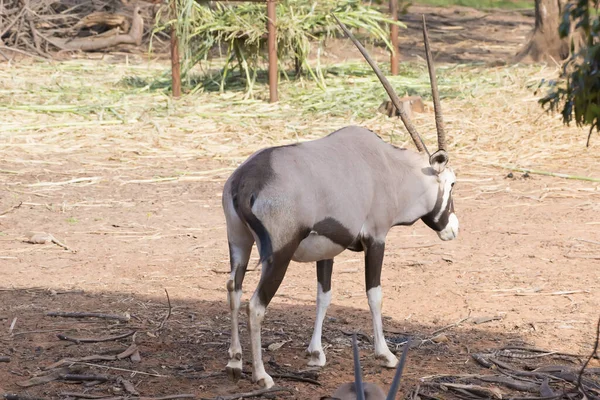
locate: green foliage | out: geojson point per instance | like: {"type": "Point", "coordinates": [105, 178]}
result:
{"type": "Point", "coordinates": [502, 4]}
{"type": "Point", "coordinates": [576, 94]}
{"type": "Point", "coordinates": [240, 31]}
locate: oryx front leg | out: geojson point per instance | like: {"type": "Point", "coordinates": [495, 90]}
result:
{"type": "Point", "coordinates": [272, 274]}
{"type": "Point", "coordinates": [239, 254]}
{"type": "Point", "coordinates": [374, 252]}
{"type": "Point", "coordinates": [315, 349]}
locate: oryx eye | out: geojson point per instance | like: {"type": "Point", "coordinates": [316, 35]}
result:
{"type": "Point", "coordinates": [452, 184]}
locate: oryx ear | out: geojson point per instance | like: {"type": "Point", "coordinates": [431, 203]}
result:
{"type": "Point", "coordinates": [438, 160]}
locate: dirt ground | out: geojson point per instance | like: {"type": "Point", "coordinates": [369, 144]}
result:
{"type": "Point", "coordinates": [523, 272]}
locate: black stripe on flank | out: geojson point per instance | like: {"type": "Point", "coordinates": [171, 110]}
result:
{"type": "Point", "coordinates": [333, 230]}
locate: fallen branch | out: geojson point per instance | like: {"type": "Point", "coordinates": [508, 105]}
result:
{"type": "Point", "coordinates": [169, 397]}
{"type": "Point", "coordinates": [298, 378]}
{"type": "Point", "coordinates": [65, 314]}
{"type": "Point", "coordinates": [546, 173]}
{"type": "Point", "coordinates": [457, 323]}
{"type": "Point", "coordinates": [82, 395]}
{"type": "Point", "coordinates": [120, 369]}
{"type": "Point", "coordinates": [594, 351]}
{"type": "Point", "coordinates": [83, 378]}
{"type": "Point", "coordinates": [13, 208]}
{"type": "Point", "coordinates": [255, 393]}
{"type": "Point", "coordinates": [14, 396]}
{"type": "Point", "coordinates": [4, 359]}
{"type": "Point", "coordinates": [168, 313]}
{"type": "Point", "coordinates": [94, 340]}
{"type": "Point", "coordinates": [44, 238]}
{"type": "Point", "coordinates": [86, 44]}
{"type": "Point", "coordinates": [128, 386]}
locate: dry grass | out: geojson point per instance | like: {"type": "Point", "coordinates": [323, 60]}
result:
{"type": "Point", "coordinates": [101, 112]}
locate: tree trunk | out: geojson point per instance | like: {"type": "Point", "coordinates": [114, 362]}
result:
{"type": "Point", "coordinates": [545, 44]}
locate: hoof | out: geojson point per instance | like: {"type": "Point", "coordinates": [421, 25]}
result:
{"type": "Point", "coordinates": [317, 358]}
{"type": "Point", "coordinates": [234, 374]}
{"type": "Point", "coordinates": [265, 381]}
{"type": "Point", "coordinates": [387, 360]}
{"type": "Point", "coordinates": [234, 369]}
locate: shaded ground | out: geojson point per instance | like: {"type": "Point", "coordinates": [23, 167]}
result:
{"type": "Point", "coordinates": [457, 34]}
{"type": "Point", "coordinates": [132, 182]}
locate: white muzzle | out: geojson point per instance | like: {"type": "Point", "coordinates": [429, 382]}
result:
{"type": "Point", "coordinates": [451, 230]}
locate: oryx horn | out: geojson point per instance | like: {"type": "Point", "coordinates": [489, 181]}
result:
{"type": "Point", "coordinates": [388, 88]}
{"type": "Point", "coordinates": [396, 381]}
{"type": "Point", "coordinates": [439, 121]}
{"type": "Point", "coordinates": [358, 383]}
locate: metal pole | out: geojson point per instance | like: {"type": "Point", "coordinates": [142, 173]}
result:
{"type": "Point", "coordinates": [175, 66]}
{"type": "Point", "coordinates": [395, 56]}
{"type": "Point", "coordinates": [272, 46]}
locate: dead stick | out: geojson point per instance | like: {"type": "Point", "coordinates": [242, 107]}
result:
{"type": "Point", "coordinates": [13, 396]}
{"type": "Point", "coordinates": [250, 394]}
{"type": "Point", "coordinates": [128, 352]}
{"type": "Point", "coordinates": [94, 340]}
{"type": "Point", "coordinates": [82, 395]}
{"type": "Point", "coordinates": [86, 315]}
{"type": "Point", "coordinates": [78, 377]}
{"type": "Point", "coordinates": [172, 396]}
{"type": "Point", "coordinates": [128, 386]}
{"type": "Point", "coordinates": [457, 323]}
{"type": "Point", "coordinates": [580, 377]}
{"type": "Point", "coordinates": [296, 378]}
{"type": "Point", "coordinates": [4, 359]}
{"type": "Point", "coordinates": [119, 369]}
{"type": "Point", "coordinates": [11, 209]}
{"type": "Point", "coordinates": [168, 312]}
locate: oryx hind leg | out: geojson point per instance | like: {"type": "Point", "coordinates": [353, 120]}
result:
{"type": "Point", "coordinates": [240, 248]}
{"type": "Point", "coordinates": [315, 349]}
{"type": "Point", "coordinates": [273, 271]}
{"type": "Point", "coordinates": [374, 251]}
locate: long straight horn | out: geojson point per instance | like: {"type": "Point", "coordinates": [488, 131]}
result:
{"type": "Point", "coordinates": [439, 121]}
{"type": "Point", "coordinates": [388, 88]}
{"type": "Point", "coordinates": [358, 383]}
{"type": "Point", "coordinates": [396, 381]}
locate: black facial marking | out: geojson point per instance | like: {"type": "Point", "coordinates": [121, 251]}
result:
{"type": "Point", "coordinates": [441, 224]}
{"type": "Point", "coordinates": [374, 252]}
{"type": "Point", "coordinates": [334, 231]}
{"type": "Point", "coordinates": [324, 270]}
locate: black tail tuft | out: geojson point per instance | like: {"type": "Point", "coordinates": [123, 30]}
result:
{"type": "Point", "coordinates": [244, 210]}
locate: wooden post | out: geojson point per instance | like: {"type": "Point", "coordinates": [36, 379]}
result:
{"type": "Point", "coordinates": [175, 66]}
{"type": "Point", "coordinates": [395, 56]}
{"type": "Point", "coordinates": [272, 46]}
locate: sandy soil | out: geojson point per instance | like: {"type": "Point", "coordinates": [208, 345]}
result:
{"type": "Point", "coordinates": [526, 259]}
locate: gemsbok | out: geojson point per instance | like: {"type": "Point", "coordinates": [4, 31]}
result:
{"type": "Point", "coordinates": [310, 201]}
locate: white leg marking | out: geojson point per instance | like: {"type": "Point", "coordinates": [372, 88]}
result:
{"type": "Point", "coordinates": [234, 366]}
{"type": "Point", "coordinates": [315, 349]}
{"type": "Point", "coordinates": [256, 314]}
{"type": "Point", "coordinates": [375, 297]}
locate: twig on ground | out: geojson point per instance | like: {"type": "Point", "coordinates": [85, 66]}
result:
{"type": "Point", "coordinates": [162, 324]}
{"type": "Point", "coordinates": [44, 238]}
{"type": "Point", "coordinates": [12, 326]}
{"type": "Point", "coordinates": [94, 340]}
{"type": "Point", "coordinates": [93, 357]}
{"type": "Point", "coordinates": [298, 378]}
{"type": "Point", "coordinates": [170, 397]}
{"type": "Point", "coordinates": [11, 209]}
{"type": "Point", "coordinates": [65, 314]}
{"type": "Point", "coordinates": [255, 393]}
{"type": "Point", "coordinates": [546, 173]}
{"type": "Point", "coordinates": [4, 359]}
{"type": "Point", "coordinates": [80, 377]}
{"type": "Point", "coordinates": [120, 369]}
{"type": "Point", "coordinates": [128, 386]}
{"type": "Point", "coordinates": [14, 396]}
{"type": "Point", "coordinates": [457, 323]}
{"type": "Point", "coordinates": [128, 352]}
{"type": "Point", "coordinates": [82, 395]}
{"type": "Point", "coordinates": [594, 351]}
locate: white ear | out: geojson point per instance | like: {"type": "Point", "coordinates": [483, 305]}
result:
{"type": "Point", "coordinates": [438, 160]}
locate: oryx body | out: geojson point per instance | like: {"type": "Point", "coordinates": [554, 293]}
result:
{"type": "Point", "coordinates": [308, 202]}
